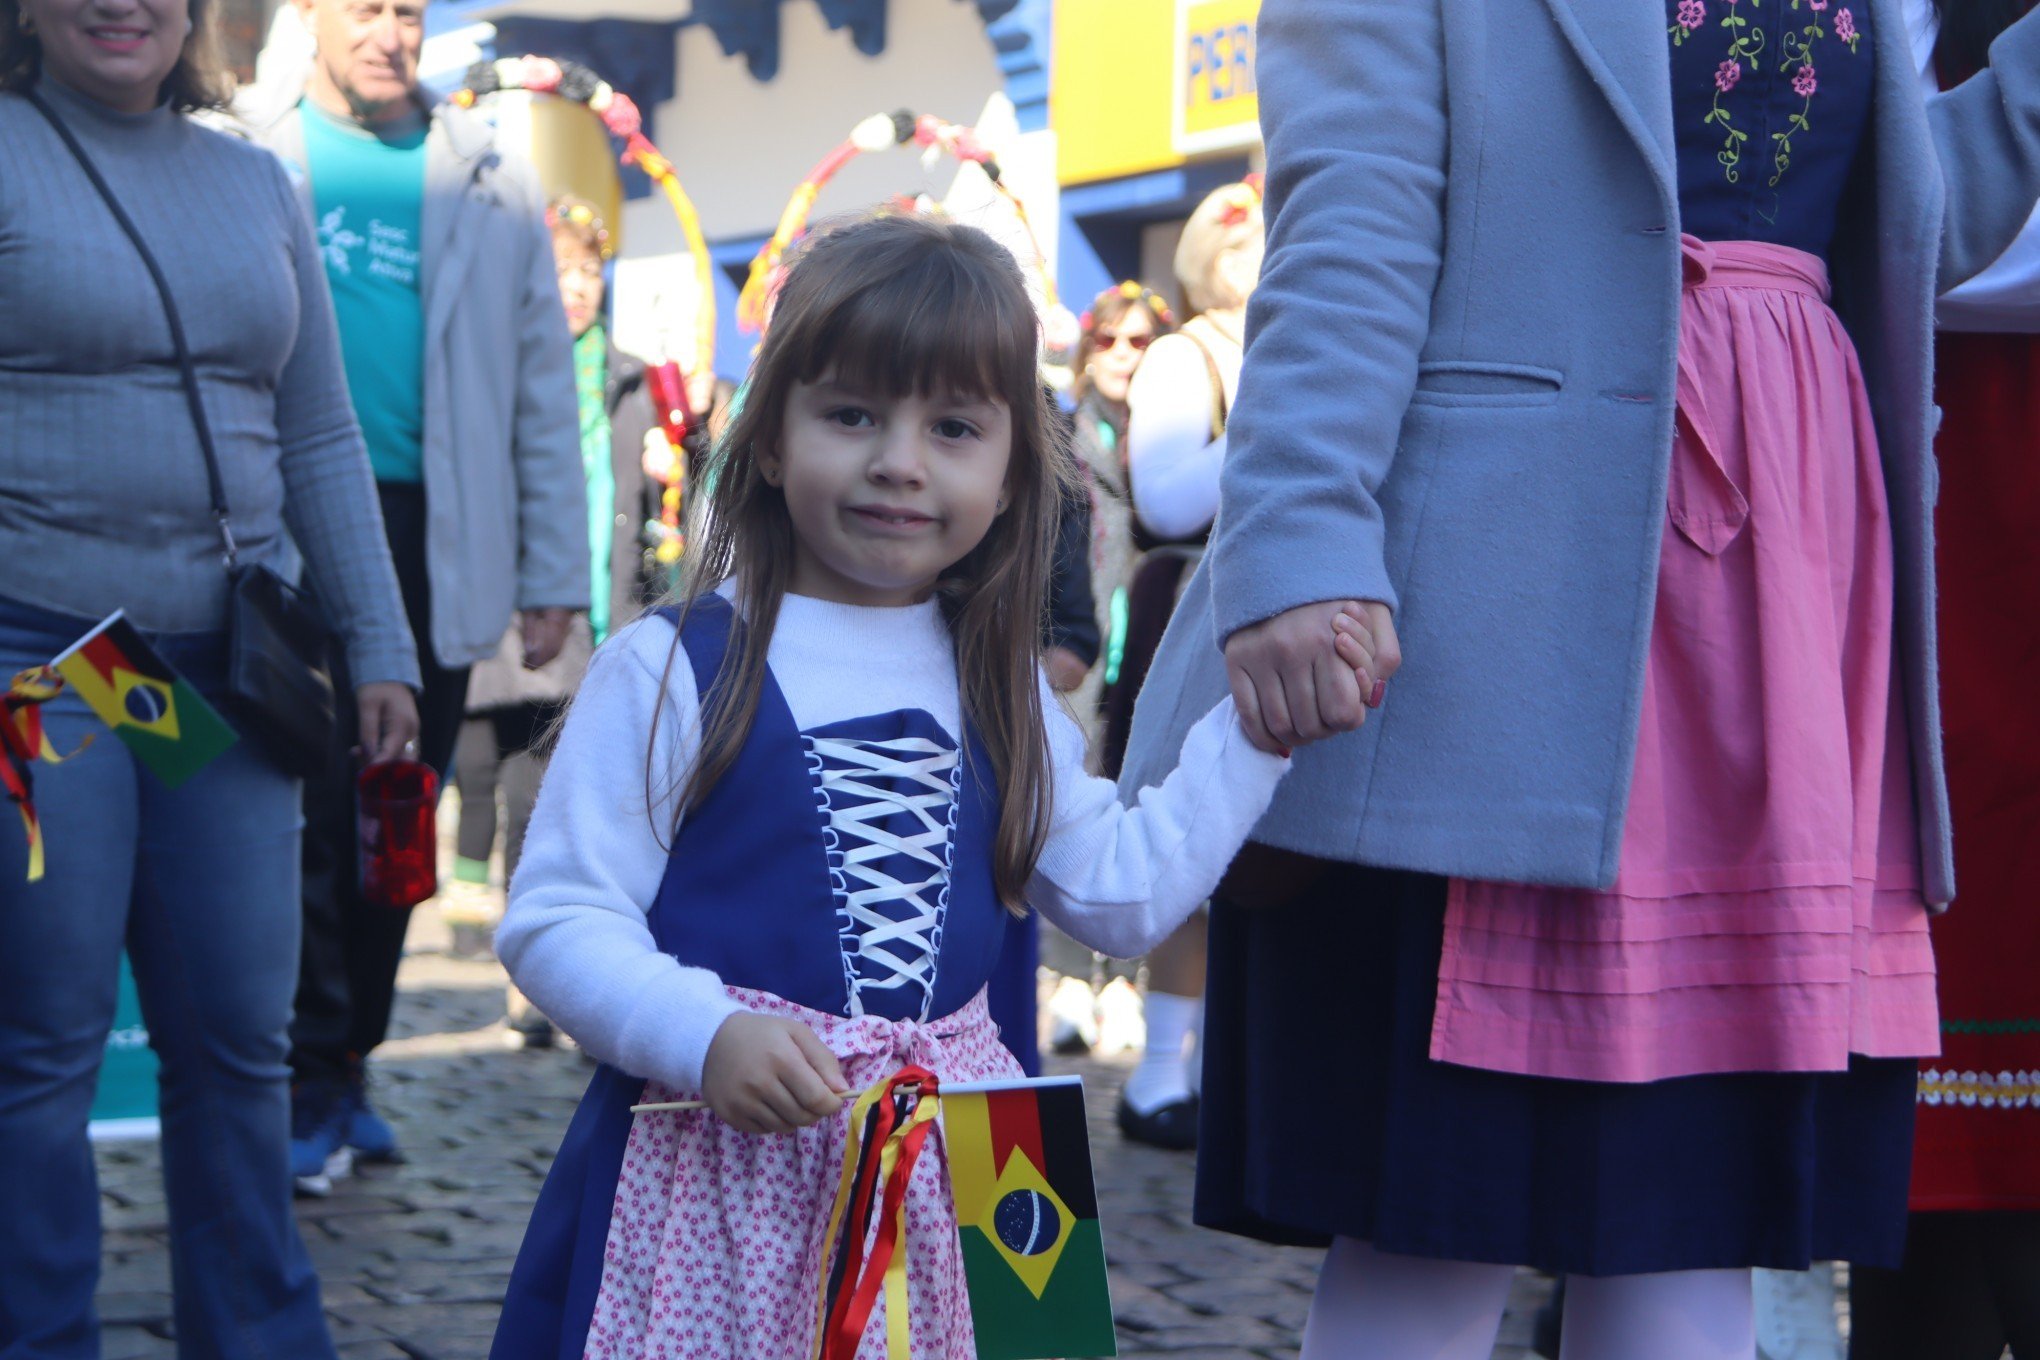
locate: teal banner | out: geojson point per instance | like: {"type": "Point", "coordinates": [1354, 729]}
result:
{"type": "Point", "coordinates": [126, 1102]}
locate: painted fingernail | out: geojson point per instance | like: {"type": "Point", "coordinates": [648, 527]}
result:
{"type": "Point", "coordinates": [1375, 696]}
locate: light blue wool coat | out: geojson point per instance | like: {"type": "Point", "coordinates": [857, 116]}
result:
{"type": "Point", "coordinates": [1458, 398]}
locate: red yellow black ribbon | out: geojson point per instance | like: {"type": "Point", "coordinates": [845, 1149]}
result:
{"type": "Point", "coordinates": [888, 1126]}
{"type": "Point", "coordinates": [22, 743]}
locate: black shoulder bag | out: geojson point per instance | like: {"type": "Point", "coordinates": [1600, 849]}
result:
{"type": "Point", "coordinates": [277, 684]}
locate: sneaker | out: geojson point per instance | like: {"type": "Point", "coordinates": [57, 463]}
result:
{"type": "Point", "coordinates": [319, 1154]}
{"type": "Point", "coordinates": [368, 1134]}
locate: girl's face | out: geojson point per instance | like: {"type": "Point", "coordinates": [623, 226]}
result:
{"type": "Point", "coordinates": [580, 281]}
{"type": "Point", "coordinates": [118, 52]}
{"type": "Point", "coordinates": [1116, 351]}
{"type": "Point", "coordinates": [886, 494]}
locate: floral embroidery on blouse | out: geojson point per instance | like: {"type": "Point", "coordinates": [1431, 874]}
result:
{"type": "Point", "coordinates": [1747, 41]}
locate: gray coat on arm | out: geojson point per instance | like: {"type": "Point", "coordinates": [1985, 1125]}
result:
{"type": "Point", "coordinates": [1458, 399]}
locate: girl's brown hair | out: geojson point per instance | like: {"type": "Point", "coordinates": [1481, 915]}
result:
{"type": "Point", "coordinates": [891, 305]}
{"type": "Point", "coordinates": [199, 80]}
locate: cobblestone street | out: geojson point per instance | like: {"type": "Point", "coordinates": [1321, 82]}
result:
{"type": "Point", "coordinates": [414, 1257]}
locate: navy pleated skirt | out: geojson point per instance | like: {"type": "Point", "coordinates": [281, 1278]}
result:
{"type": "Point", "coordinates": [1323, 1116]}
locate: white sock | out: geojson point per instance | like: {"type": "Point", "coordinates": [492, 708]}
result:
{"type": "Point", "coordinates": [1681, 1315]}
{"type": "Point", "coordinates": [1163, 1075]}
{"type": "Point", "coordinates": [1381, 1306]}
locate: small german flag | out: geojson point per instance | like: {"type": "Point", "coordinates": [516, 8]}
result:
{"type": "Point", "coordinates": [1019, 1158]}
{"type": "Point", "coordinates": [149, 706]}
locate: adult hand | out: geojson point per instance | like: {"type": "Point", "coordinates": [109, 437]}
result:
{"type": "Point", "coordinates": [545, 632]}
{"type": "Point", "coordinates": [768, 1075]}
{"type": "Point", "coordinates": [1066, 670]}
{"type": "Point", "coordinates": [389, 721]}
{"type": "Point", "coordinates": [1300, 676]}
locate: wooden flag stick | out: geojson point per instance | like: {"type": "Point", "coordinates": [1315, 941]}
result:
{"type": "Point", "coordinates": [685, 1106]}
{"type": "Point", "coordinates": [961, 1088]}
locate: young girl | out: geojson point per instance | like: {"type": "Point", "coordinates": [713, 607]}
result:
{"type": "Point", "coordinates": [853, 777]}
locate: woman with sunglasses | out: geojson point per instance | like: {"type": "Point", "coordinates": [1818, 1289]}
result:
{"type": "Point", "coordinates": [1177, 405]}
{"type": "Point", "coordinates": [1122, 322]}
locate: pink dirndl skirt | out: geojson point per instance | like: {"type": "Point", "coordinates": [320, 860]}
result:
{"type": "Point", "coordinates": [1767, 914]}
{"type": "Point", "coordinates": [716, 1249]}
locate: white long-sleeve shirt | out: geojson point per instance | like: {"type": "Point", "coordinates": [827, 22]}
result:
{"type": "Point", "coordinates": [577, 940]}
{"type": "Point", "coordinates": [1171, 457]}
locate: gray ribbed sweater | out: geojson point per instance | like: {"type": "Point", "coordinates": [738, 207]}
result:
{"type": "Point", "coordinates": [103, 500]}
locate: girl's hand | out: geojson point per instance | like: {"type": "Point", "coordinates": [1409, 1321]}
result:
{"type": "Point", "coordinates": [1368, 644]}
{"type": "Point", "coordinates": [767, 1075]}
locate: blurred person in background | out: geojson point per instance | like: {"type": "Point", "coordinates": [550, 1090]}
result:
{"type": "Point", "coordinates": [1113, 337]}
{"type": "Point", "coordinates": [462, 374]}
{"type": "Point", "coordinates": [1177, 408]}
{"type": "Point", "coordinates": [1970, 1282]}
{"type": "Point", "coordinates": [104, 505]}
{"type": "Point", "coordinates": [501, 749]}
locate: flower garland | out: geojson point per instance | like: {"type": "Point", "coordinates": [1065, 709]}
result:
{"type": "Point", "coordinates": [620, 115]}
{"type": "Point", "coordinates": [1133, 291]}
{"type": "Point", "coordinates": [880, 132]}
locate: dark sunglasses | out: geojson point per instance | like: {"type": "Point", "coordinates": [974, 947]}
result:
{"type": "Point", "coordinates": [1105, 340]}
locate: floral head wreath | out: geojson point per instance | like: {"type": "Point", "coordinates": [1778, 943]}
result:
{"type": "Point", "coordinates": [583, 216]}
{"type": "Point", "coordinates": [1240, 201]}
{"type": "Point", "coordinates": [619, 114]}
{"type": "Point", "coordinates": [879, 132]}
{"type": "Point", "coordinates": [1133, 291]}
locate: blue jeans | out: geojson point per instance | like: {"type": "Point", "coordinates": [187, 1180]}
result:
{"type": "Point", "coordinates": [201, 886]}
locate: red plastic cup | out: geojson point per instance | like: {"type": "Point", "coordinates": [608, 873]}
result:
{"type": "Point", "coordinates": [399, 829]}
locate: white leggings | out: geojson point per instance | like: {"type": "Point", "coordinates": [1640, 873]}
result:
{"type": "Point", "coordinates": [1371, 1305]}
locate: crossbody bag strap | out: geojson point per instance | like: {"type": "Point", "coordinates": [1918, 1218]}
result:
{"type": "Point", "coordinates": [1219, 413]}
{"type": "Point", "coordinates": [187, 369]}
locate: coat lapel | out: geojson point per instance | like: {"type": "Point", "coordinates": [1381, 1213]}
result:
{"type": "Point", "coordinates": [456, 149]}
{"type": "Point", "coordinates": [1622, 43]}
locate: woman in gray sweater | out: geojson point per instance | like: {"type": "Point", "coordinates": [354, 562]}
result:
{"type": "Point", "coordinates": [104, 505]}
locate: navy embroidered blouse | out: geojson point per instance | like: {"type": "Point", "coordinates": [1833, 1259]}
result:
{"type": "Point", "coordinates": [1770, 102]}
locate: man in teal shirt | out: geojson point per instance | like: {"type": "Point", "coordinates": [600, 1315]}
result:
{"type": "Point", "coordinates": [461, 370]}
{"type": "Point", "coordinates": [368, 195]}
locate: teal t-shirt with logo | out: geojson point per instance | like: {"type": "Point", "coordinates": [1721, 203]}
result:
{"type": "Point", "coordinates": [368, 191]}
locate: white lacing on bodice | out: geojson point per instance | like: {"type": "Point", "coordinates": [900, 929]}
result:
{"type": "Point", "coordinates": [889, 927]}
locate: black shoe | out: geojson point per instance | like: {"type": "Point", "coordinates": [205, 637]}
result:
{"type": "Point", "coordinates": [1172, 1126]}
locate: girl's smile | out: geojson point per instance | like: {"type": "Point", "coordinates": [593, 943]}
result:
{"type": "Point", "coordinates": [886, 493]}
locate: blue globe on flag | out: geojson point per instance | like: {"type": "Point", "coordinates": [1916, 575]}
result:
{"type": "Point", "coordinates": [146, 704]}
{"type": "Point", "coordinates": [1027, 1222]}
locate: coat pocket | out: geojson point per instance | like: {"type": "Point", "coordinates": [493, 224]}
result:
{"type": "Point", "coordinates": [1471, 382]}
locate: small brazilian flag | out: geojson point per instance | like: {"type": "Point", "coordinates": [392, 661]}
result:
{"type": "Point", "coordinates": [149, 706]}
{"type": "Point", "coordinates": [1019, 1158]}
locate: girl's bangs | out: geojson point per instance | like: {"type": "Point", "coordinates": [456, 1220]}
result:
{"type": "Point", "coordinates": [938, 324]}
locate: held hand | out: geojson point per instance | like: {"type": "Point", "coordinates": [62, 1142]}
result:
{"type": "Point", "coordinates": [1301, 676]}
{"type": "Point", "coordinates": [1367, 642]}
{"type": "Point", "coordinates": [1066, 670]}
{"type": "Point", "coordinates": [389, 721]}
{"type": "Point", "coordinates": [545, 632]}
{"type": "Point", "coordinates": [767, 1075]}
